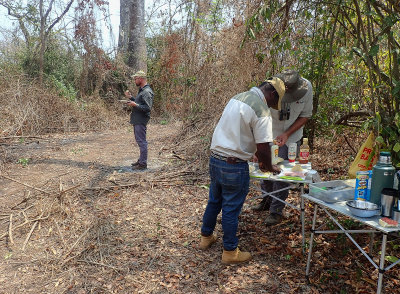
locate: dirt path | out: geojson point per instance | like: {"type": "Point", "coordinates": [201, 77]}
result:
{"type": "Point", "coordinates": [82, 222]}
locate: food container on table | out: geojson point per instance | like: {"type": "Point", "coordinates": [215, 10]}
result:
{"type": "Point", "coordinates": [292, 152]}
{"type": "Point", "coordinates": [312, 176]}
{"type": "Point", "coordinates": [388, 199]}
{"type": "Point", "coordinates": [363, 208]}
{"type": "Point", "coordinates": [333, 191]}
{"type": "Point", "coordinates": [396, 215]}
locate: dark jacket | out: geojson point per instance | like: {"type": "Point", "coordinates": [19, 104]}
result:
{"type": "Point", "coordinates": [140, 114]}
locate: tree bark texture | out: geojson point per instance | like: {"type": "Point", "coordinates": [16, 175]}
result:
{"type": "Point", "coordinates": [123, 35]}
{"type": "Point", "coordinates": [137, 57]}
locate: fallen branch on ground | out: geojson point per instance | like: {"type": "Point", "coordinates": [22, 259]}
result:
{"type": "Point", "coordinates": [26, 185]}
{"type": "Point", "coordinates": [10, 230]}
{"type": "Point", "coordinates": [62, 192]}
{"type": "Point", "coordinates": [24, 223]}
{"type": "Point", "coordinates": [348, 143]}
{"type": "Point", "coordinates": [29, 235]}
{"type": "Point", "coordinates": [23, 201]}
{"type": "Point", "coordinates": [16, 137]}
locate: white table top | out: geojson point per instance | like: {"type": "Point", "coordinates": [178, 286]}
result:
{"type": "Point", "coordinates": [342, 208]}
{"type": "Point", "coordinates": [287, 166]}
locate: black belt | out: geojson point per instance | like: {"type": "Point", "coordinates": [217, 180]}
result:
{"type": "Point", "coordinates": [230, 160]}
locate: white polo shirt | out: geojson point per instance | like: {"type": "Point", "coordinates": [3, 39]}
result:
{"type": "Point", "coordinates": [299, 108]}
{"type": "Point", "coordinates": [245, 122]}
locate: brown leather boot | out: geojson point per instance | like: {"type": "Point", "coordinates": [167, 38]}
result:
{"type": "Point", "coordinates": [207, 241]}
{"type": "Point", "coordinates": [273, 219]}
{"type": "Point", "coordinates": [235, 256]}
{"type": "Point", "coordinates": [263, 205]}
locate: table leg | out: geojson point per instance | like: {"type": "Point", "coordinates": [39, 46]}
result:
{"type": "Point", "coordinates": [371, 243]}
{"type": "Point", "coordinates": [382, 264]}
{"type": "Point", "coordinates": [302, 217]}
{"type": "Point", "coordinates": [311, 240]}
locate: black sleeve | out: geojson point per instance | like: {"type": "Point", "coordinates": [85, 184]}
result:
{"type": "Point", "coordinates": [146, 101]}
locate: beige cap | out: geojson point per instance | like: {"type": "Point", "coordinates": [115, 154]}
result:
{"type": "Point", "coordinates": [139, 74]}
{"type": "Point", "coordinates": [279, 86]}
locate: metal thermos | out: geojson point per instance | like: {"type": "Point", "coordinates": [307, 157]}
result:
{"type": "Point", "coordinates": [382, 176]}
{"type": "Point", "coordinates": [396, 209]}
{"type": "Point", "coordinates": [396, 215]}
{"type": "Point", "coordinates": [388, 197]}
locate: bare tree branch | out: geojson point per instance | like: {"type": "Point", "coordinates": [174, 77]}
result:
{"type": "Point", "coordinates": [19, 18]}
{"type": "Point", "coordinates": [344, 119]}
{"type": "Point", "coordinates": [59, 17]}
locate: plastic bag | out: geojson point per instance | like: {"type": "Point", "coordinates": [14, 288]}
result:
{"type": "Point", "coordinates": [366, 157]}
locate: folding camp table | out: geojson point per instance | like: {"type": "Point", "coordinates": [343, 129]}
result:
{"type": "Point", "coordinates": [257, 175]}
{"type": "Point", "coordinates": [372, 222]}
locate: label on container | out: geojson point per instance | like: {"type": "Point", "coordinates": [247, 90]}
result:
{"type": "Point", "coordinates": [292, 152]}
{"type": "Point", "coordinates": [363, 185]}
{"type": "Point", "coordinates": [304, 154]}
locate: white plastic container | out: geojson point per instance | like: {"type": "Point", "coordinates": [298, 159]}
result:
{"type": "Point", "coordinates": [292, 152]}
{"type": "Point", "coordinates": [333, 191]}
{"type": "Point", "coordinates": [274, 153]}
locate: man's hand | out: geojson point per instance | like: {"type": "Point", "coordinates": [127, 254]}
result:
{"type": "Point", "coordinates": [274, 168]}
{"type": "Point", "coordinates": [298, 123]}
{"type": "Point", "coordinates": [128, 94]}
{"type": "Point", "coordinates": [281, 139]}
{"type": "Point", "coordinates": [132, 103]}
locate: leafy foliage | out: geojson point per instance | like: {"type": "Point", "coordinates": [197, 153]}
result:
{"type": "Point", "coordinates": [348, 49]}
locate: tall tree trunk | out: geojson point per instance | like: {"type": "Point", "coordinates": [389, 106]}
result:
{"type": "Point", "coordinates": [42, 42]}
{"type": "Point", "coordinates": [123, 34]}
{"type": "Point", "coordinates": [137, 57]}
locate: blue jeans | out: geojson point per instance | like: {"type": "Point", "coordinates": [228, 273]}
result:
{"type": "Point", "coordinates": [228, 190]}
{"type": "Point", "coordinates": [140, 137]}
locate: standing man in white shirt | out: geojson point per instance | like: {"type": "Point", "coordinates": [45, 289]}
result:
{"type": "Point", "coordinates": [245, 128]}
{"type": "Point", "coordinates": [287, 127]}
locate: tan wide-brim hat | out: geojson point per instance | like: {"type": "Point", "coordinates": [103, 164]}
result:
{"type": "Point", "coordinates": [296, 86]}
{"type": "Point", "coordinates": [279, 86]}
{"type": "Point", "coordinates": [139, 74]}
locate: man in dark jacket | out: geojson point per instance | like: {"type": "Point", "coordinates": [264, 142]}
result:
{"type": "Point", "coordinates": [140, 116]}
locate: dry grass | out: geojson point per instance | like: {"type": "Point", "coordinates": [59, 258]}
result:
{"type": "Point", "coordinates": [28, 109]}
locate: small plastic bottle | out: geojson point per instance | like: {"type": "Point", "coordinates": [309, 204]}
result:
{"type": "Point", "coordinates": [274, 153]}
{"type": "Point", "coordinates": [304, 152]}
{"type": "Point", "coordinates": [292, 152]}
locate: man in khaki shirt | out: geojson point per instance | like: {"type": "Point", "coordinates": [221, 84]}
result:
{"type": "Point", "coordinates": [287, 127]}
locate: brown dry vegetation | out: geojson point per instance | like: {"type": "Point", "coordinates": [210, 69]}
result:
{"type": "Point", "coordinates": [28, 109]}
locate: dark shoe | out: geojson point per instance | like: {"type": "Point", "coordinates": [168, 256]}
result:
{"type": "Point", "coordinates": [263, 205]}
{"type": "Point", "coordinates": [139, 167]}
{"type": "Point", "coordinates": [273, 219]}
{"type": "Point", "coordinates": [135, 163]}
